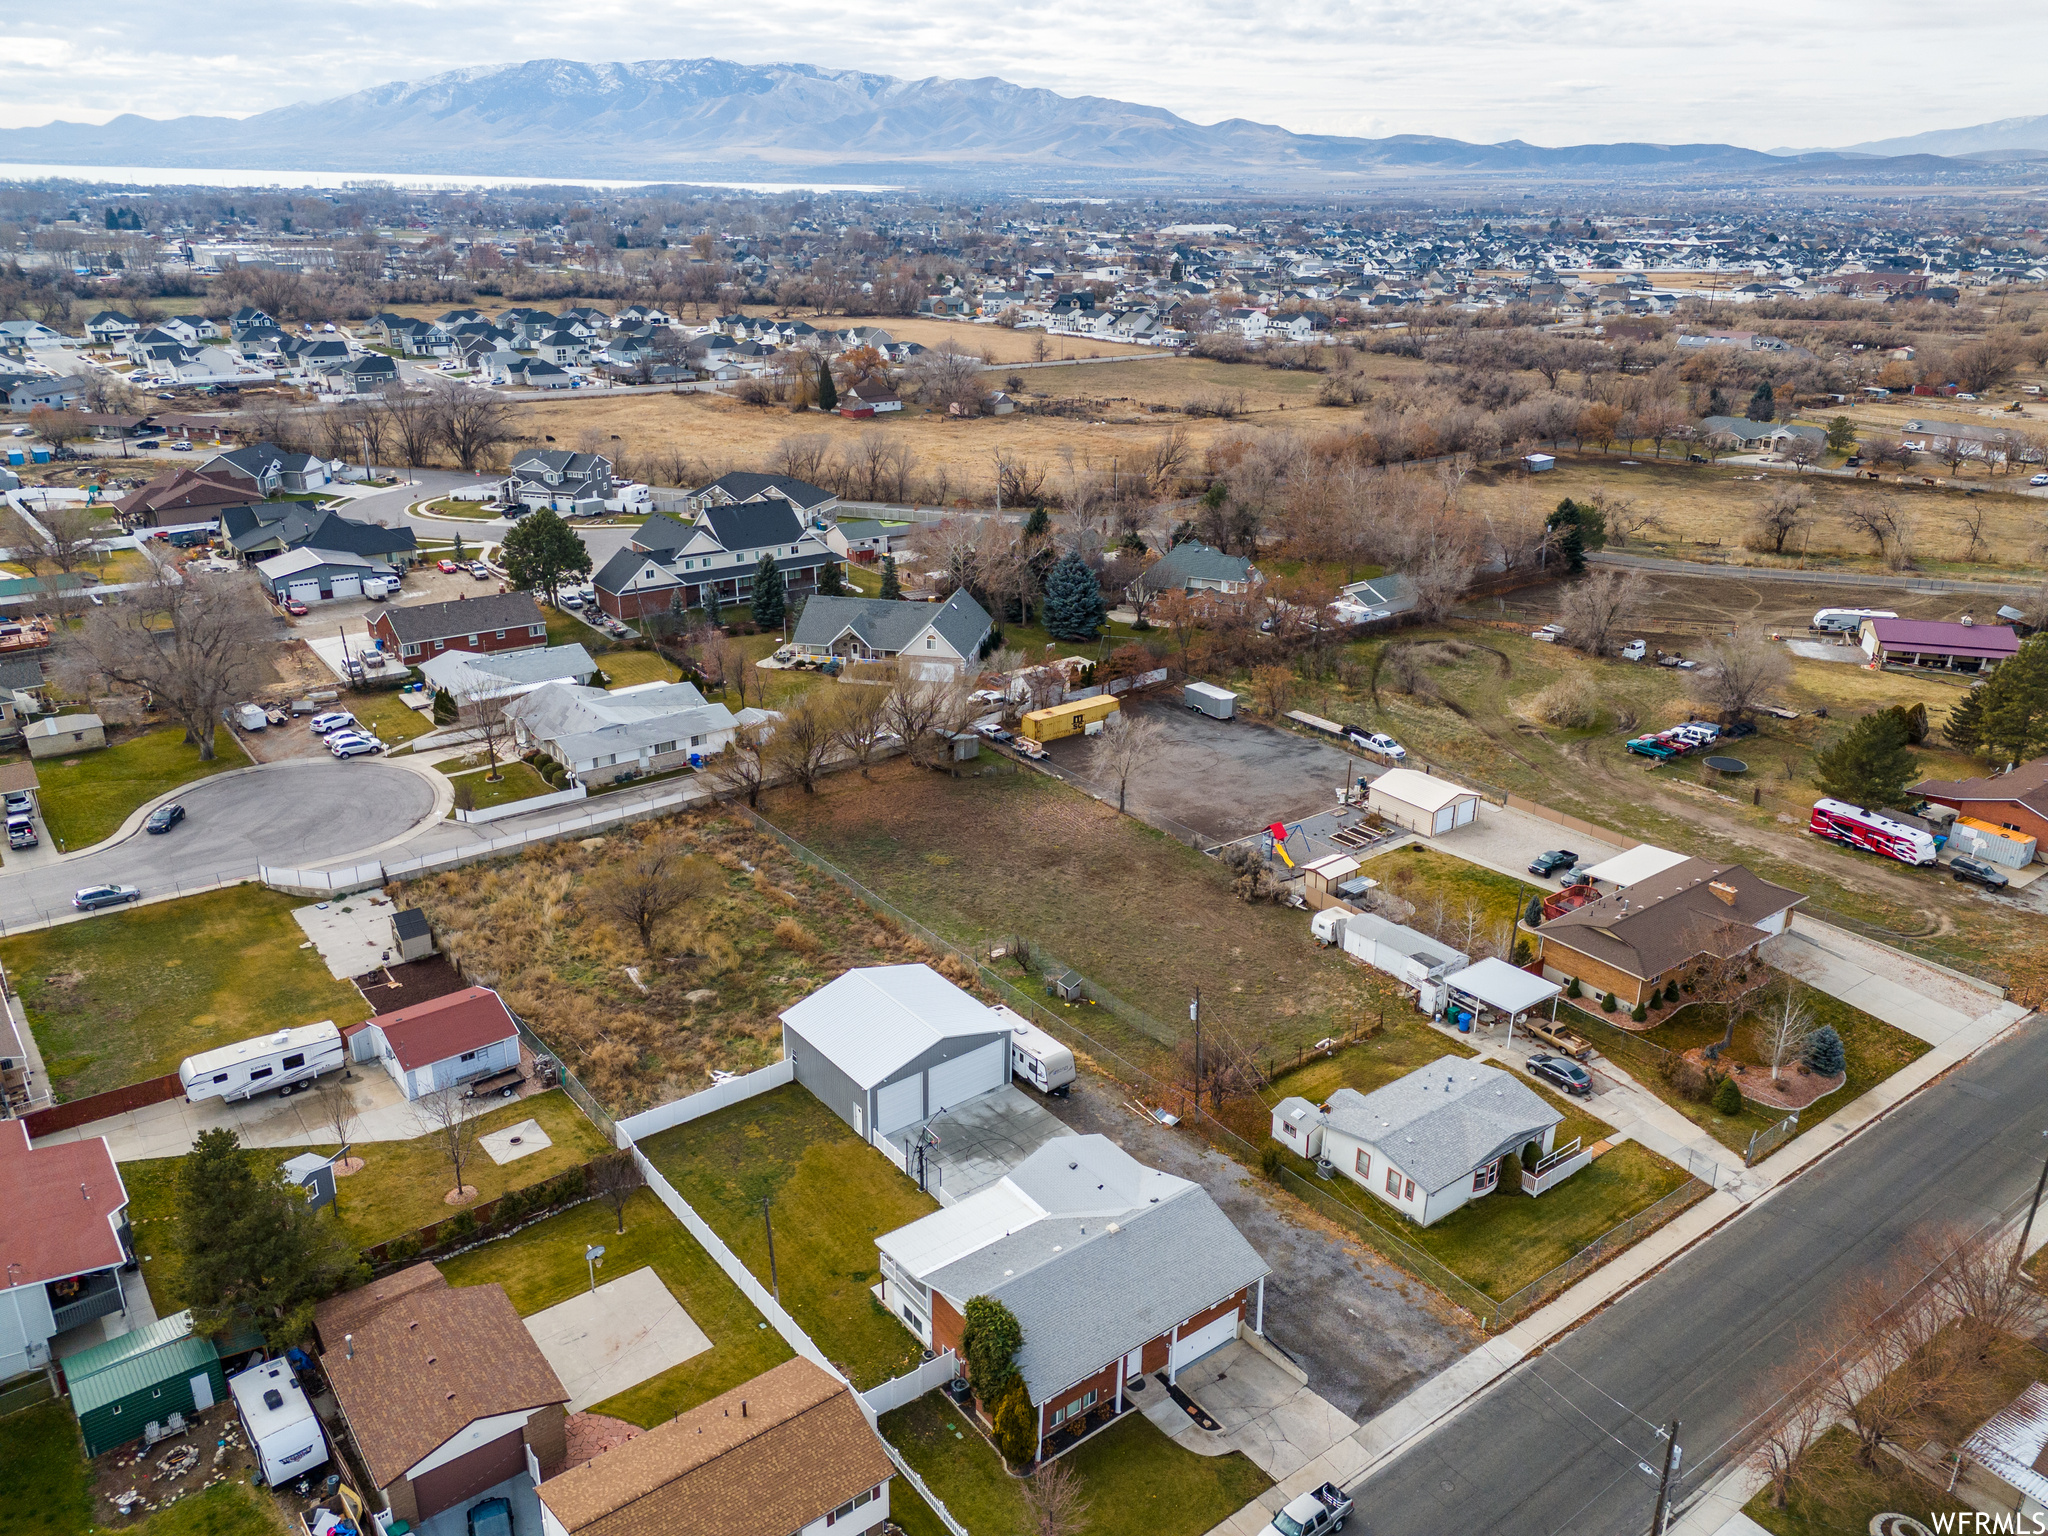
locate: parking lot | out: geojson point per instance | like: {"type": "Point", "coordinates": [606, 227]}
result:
{"type": "Point", "coordinates": [1223, 779]}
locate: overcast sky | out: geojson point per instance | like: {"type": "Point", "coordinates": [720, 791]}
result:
{"type": "Point", "coordinates": [1762, 73]}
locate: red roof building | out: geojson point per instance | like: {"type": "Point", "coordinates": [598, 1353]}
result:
{"type": "Point", "coordinates": [62, 1244]}
{"type": "Point", "coordinates": [1959, 647]}
{"type": "Point", "coordinates": [443, 1042]}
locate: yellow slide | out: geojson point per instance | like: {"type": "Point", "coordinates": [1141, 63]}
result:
{"type": "Point", "coordinates": [1279, 833]}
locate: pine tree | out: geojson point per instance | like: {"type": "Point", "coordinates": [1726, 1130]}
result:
{"type": "Point", "coordinates": [1073, 600]}
{"type": "Point", "coordinates": [1037, 525]}
{"type": "Point", "coordinates": [769, 594]}
{"type": "Point", "coordinates": [892, 589]}
{"type": "Point", "coordinates": [828, 392]}
{"type": "Point", "coordinates": [1871, 765]}
{"type": "Point", "coordinates": [1728, 1097]}
{"type": "Point", "coordinates": [1824, 1053]}
{"type": "Point", "coordinates": [1573, 990]}
{"type": "Point", "coordinates": [829, 583]}
{"type": "Point", "coordinates": [1964, 727]}
{"type": "Point", "coordinates": [1762, 406]}
{"type": "Point", "coordinates": [1534, 916]}
{"type": "Point", "coordinates": [2015, 728]}
{"type": "Point", "coordinates": [1639, 1013]}
{"type": "Point", "coordinates": [1609, 1003]}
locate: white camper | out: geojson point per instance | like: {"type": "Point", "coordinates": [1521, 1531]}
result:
{"type": "Point", "coordinates": [1035, 1056]}
{"type": "Point", "coordinates": [286, 1061]}
{"type": "Point", "coordinates": [282, 1427]}
{"type": "Point", "coordinates": [1847, 621]}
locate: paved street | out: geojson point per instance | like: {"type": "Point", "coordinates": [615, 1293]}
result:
{"type": "Point", "coordinates": [1555, 1445]}
{"type": "Point", "coordinates": [302, 812]}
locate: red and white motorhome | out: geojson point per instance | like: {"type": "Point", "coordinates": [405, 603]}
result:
{"type": "Point", "coordinates": [1840, 822]}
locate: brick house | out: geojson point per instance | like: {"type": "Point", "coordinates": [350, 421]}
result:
{"type": "Point", "coordinates": [2017, 801]}
{"type": "Point", "coordinates": [448, 1399]}
{"type": "Point", "coordinates": [502, 621]}
{"type": "Point", "coordinates": [1635, 940]}
{"type": "Point", "coordinates": [1114, 1271]}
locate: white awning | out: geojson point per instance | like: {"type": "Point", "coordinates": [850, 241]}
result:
{"type": "Point", "coordinates": [1508, 988]}
{"type": "Point", "coordinates": [1638, 864]}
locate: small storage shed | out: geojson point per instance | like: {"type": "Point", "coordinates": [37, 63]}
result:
{"type": "Point", "coordinates": [887, 1046]}
{"type": "Point", "coordinates": [1077, 717]}
{"type": "Point", "coordinates": [121, 1387]}
{"type": "Point", "coordinates": [1322, 879]}
{"type": "Point", "coordinates": [1421, 802]}
{"type": "Point", "coordinates": [1068, 986]}
{"type": "Point", "coordinates": [1298, 1126]}
{"type": "Point", "coordinates": [415, 939]}
{"type": "Point", "coordinates": [61, 735]}
{"type": "Point", "coordinates": [442, 1043]}
{"type": "Point", "coordinates": [1216, 703]}
{"type": "Point", "coordinates": [1538, 463]}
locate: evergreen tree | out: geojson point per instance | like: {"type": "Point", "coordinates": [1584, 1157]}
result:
{"type": "Point", "coordinates": [1762, 406]}
{"type": "Point", "coordinates": [2015, 728]}
{"type": "Point", "coordinates": [542, 553]}
{"type": "Point", "coordinates": [1964, 727]}
{"type": "Point", "coordinates": [1824, 1052]}
{"type": "Point", "coordinates": [1871, 765]}
{"type": "Point", "coordinates": [1639, 1013]}
{"type": "Point", "coordinates": [769, 594]}
{"type": "Point", "coordinates": [829, 582]}
{"type": "Point", "coordinates": [459, 555]}
{"type": "Point", "coordinates": [1717, 403]}
{"type": "Point", "coordinates": [714, 611]}
{"type": "Point", "coordinates": [444, 707]}
{"type": "Point", "coordinates": [828, 392]}
{"type": "Point", "coordinates": [1073, 600]}
{"type": "Point", "coordinates": [1842, 435]}
{"type": "Point", "coordinates": [892, 589]}
{"type": "Point", "coordinates": [1534, 916]}
{"type": "Point", "coordinates": [1037, 525]}
{"type": "Point", "coordinates": [254, 1251]}
{"type": "Point", "coordinates": [1728, 1097]}
{"type": "Point", "coordinates": [1608, 1003]}
{"type": "Point", "coordinates": [990, 1337]}
{"type": "Point", "coordinates": [1573, 990]}
{"type": "Point", "coordinates": [1569, 543]}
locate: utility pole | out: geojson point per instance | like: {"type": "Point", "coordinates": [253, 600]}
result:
{"type": "Point", "coordinates": [774, 1285]}
{"type": "Point", "coordinates": [2019, 1254]}
{"type": "Point", "coordinates": [1195, 1013]}
{"type": "Point", "coordinates": [1663, 1514]}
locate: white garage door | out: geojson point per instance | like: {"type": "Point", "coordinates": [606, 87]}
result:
{"type": "Point", "coordinates": [304, 591]}
{"type": "Point", "coordinates": [898, 1104]}
{"type": "Point", "coordinates": [962, 1078]}
{"type": "Point", "coordinates": [1467, 809]}
{"type": "Point", "coordinates": [346, 586]}
{"type": "Point", "coordinates": [1444, 820]}
{"type": "Point", "coordinates": [1190, 1347]}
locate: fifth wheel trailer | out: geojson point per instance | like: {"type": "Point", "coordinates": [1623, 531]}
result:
{"type": "Point", "coordinates": [286, 1061]}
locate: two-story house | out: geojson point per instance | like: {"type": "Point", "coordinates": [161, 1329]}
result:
{"type": "Point", "coordinates": [503, 621]}
{"type": "Point", "coordinates": [64, 1242]}
{"type": "Point", "coordinates": [555, 477]}
{"type": "Point", "coordinates": [269, 469]}
{"type": "Point", "coordinates": [713, 557]}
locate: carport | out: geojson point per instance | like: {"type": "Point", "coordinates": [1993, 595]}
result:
{"type": "Point", "coordinates": [969, 1148]}
{"type": "Point", "coordinates": [1505, 989]}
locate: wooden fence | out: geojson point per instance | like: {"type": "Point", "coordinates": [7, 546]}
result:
{"type": "Point", "coordinates": [115, 1101]}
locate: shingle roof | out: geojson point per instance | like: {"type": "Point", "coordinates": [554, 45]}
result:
{"type": "Point", "coordinates": [447, 1026]}
{"type": "Point", "coordinates": [753, 524]}
{"type": "Point", "coordinates": [799, 1450]}
{"type": "Point", "coordinates": [430, 1363]}
{"type": "Point", "coordinates": [335, 1316]}
{"type": "Point", "coordinates": [745, 485]}
{"type": "Point", "coordinates": [1441, 1121]}
{"type": "Point", "coordinates": [63, 1203]}
{"type": "Point", "coordinates": [1192, 560]}
{"type": "Point", "coordinates": [464, 616]}
{"type": "Point", "coordinates": [1672, 916]}
{"type": "Point", "coordinates": [891, 625]}
{"type": "Point", "coordinates": [2026, 785]}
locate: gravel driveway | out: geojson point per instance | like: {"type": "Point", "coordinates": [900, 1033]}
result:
{"type": "Point", "coordinates": [1365, 1332]}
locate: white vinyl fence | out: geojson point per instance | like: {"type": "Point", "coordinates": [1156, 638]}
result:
{"type": "Point", "coordinates": [522, 807]}
{"type": "Point", "coordinates": [650, 1122]}
{"type": "Point", "coordinates": [912, 1384]}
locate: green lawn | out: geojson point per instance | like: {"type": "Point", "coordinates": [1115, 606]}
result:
{"type": "Point", "coordinates": [47, 1487]}
{"type": "Point", "coordinates": [388, 718]}
{"type": "Point", "coordinates": [130, 994]}
{"type": "Point", "coordinates": [566, 629]}
{"type": "Point", "coordinates": [399, 1189]}
{"type": "Point", "coordinates": [448, 506]}
{"type": "Point", "coordinates": [1873, 1048]}
{"type": "Point", "coordinates": [516, 781]}
{"type": "Point", "coordinates": [87, 797]}
{"type": "Point", "coordinates": [1503, 1242]}
{"type": "Point", "coordinates": [627, 668]}
{"type": "Point", "coordinates": [1137, 1482]}
{"type": "Point", "coordinates": [543, 1265]}
{"type": "Point", "coordinates": [830, 1195]}
{"type": "Point", "coordinates": [1469, 895]}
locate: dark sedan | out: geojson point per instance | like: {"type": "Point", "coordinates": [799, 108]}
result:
{"type": "Point", "coordinates": [1563, 1072]}
{"type": "Point", "coordinates": [1554, 862]}
{"type": "Point", "coordinates": [164, 817]}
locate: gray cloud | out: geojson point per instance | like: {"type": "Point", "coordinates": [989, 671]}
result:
{"type": "Point", "coordinates": [1754, 72]}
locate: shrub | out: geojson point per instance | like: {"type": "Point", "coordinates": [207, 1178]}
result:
{"type": "Point", "coordinates": [457, 1227]}
{"type": "Point", "coordinates": [990, 1338]}
{"type": "Point", "coordinates": [403, 1250]}
{"type": "Point", "coordinates": [1688, 1079]}
{"type": "Point", "coordinates": [1728, 1097]}
{"type": "Point", "coordinates": [1639, 1013]}
{"type": "Point", "coordinates": [1671, 990]}
{"type": "Point", "coordinates": [1608, 1003]}
{"type": "Point", "coordinates": [1573, 989]}
{"type": "Point", "coordinates": [1015, 1425]}
{"type": "Point", "coordinates": [567, 1186]}
{"type": "Point", "coordinates": [1271, 1162]}
{"type": "Point", "coordinates": [1824, 1053]}
{"type": "Point", "coordinates": [793, 935]}
{"type": "Point", "coordinates": [1571, 703]}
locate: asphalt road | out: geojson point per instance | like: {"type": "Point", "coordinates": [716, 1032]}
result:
{"type": "Point", "coordinates": [1905, 581]}
{"type": "Point", "coordinates": [299, 813]}
{"type": "Point", "coordinates": [1556, 1445]}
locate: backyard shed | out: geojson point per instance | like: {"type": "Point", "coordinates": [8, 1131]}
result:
{"type": "Point", "coordinates": [887, 1046]}
{"type": "Point", "coordinates": [121, 1387]}
{"type": "Point", "coordinates": [1422, 802]}
{"type": "Point", "coordinates": [1321, 879]}
{"type": "Point", "coordinates": [1217, 703]}
{"type": "Point", "coordinates": [61, 734]}
{"type": "Point", "coordinates": [443, 1042]}
{"type": "Point", "coordinates": [415, 938]}
{"type": "Point", "coordinates": [1068, 986]}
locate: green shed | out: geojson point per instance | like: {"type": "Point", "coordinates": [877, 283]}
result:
{"type": "Point", "coordinates": [122, 1386]}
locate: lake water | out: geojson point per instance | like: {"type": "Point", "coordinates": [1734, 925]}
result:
{"type": "Point", "coordinates": [188, 176]}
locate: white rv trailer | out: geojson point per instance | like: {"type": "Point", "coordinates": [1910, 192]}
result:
{"type": "Point", "coordinates": [1847, 621]}
{"type": "Point", "coordinates": [283, 1429]}
{"type": "Point", "coordinates": [286, 1061]}
{"type": "Point", "coordinates": [1035, 1056]}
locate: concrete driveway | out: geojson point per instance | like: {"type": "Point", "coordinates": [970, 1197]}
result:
{"type": "Point", "coordinates": [1505, 839]}
{"type": "Point", "coordinates": [1260, 1409]}
{"type": "Point", "coordinates": [1923, 1000]}
{"type": "Point", "coordinates": [169, 1129]}
{"type": "Point", "coordinates": [301, 813]}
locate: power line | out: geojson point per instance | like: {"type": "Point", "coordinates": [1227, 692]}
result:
{"type": "Point", "coordinates": [1624, 1407]}
{"type": "Point", "coordinates": [1634, 1454]}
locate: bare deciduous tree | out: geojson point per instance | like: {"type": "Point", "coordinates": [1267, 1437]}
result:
{"type": "Point", "coordinates": [613, 1178]}
{"type": "Point", "coordinates": [1597, 606]}
{"type": "Point", "coordinates": [803, 740]}
{"type": "Point", "coordinates": [1791, 1414]}
{"type": "Point", "coordinates": [1128, 745]}
{"type": "Point", "coordinates": [1787, 510]}
{"type": "Point", "coordinates": [448, 1117]}
{"type": "Point", "coordinates": [195, 644]}
{"type": "Point", "coordinates": [470, 422]}
{"type": "Point", "coordinates": [414, 427]}
{"type": "Point", "coordinates": [1883, 521]}
{"type": "Point", "coordinates": [658, 879]}
{"type": "Point", "coordinates": [1053, 1501]}
{"type": "Point", "coordinates": [742, 768]}
{"type": "Point", "coordinates": [67, 540]}
{"type": "Point", "coordinates": [1783, 1028]}
{"type": "Point", "coordinates": [480, 710]}
{"type": "Point", "coordinates": [863, 722]}
{"type": "Point", "coordinates": [1735, 674]}
{"type": "Point", "coordinates": [926, 715]}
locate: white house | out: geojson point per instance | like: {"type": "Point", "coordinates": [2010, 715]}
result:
{"type": "Point", "coordinates": [64, 1240]}
{"type": "Point", "coordinates": [942, 639]}
{"type": "Point", "coordinates": [600, 736]}
{"type": "Point", "coordinates": [472, 676]}
{"type": "Point", "coordinates": [441, 1043]}
{"type": "Point", "coordinates": [1426, 1143]}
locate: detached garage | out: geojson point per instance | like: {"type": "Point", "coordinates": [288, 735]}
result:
{"type": "Point", "coordinates": [1422, 802]}
{"type": "Point", "coordinates": [441, 1043]}
{"type": "Point", "coordinates": [887, 1047]}
{"type": "Point", "coordinates": [118, 1389]}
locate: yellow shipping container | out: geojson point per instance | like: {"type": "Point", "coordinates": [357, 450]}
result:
{"type": "Point", "coordinates": [1070, 719]}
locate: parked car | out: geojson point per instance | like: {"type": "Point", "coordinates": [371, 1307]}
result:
{"type": "Point", "coordinates": [333, 720]}
{"type": "Point", "coordinates": [1563, 1072]}
{"type": "Point", "coordinates": [93, 897]}
{"type": "Point", "coordinates": [571, 600]}
{"type": "Point", "coordinates": [20, 803]}
{"type": "Point", "coordinates": [2039, 480]}
{"type": "Point", "coordinates": [1549, 633]}
{"type": "Point", "coordinates": [446, 567]}
{"type": "Point", "coordinates": [1312, 1514]}
{"type": "Point", "coordinates": [181, 447]}
{"type": "Point", "coordinates": [1556, 861]}
{"type": "Point", "coordinates": [1635, 650]}
{"type": "Point", "coordinates": [1653, 746]}
{"type": "Point", "coordinates": [164, 817]}
{"type": "Point", "coordinates": [21, 832]}
{"type": "Point", "coordinates": [350, 744]}
{"type": "Point", "coordinates": [1977, 872]}
{"type": "Point", "coordinates": [295, 608]}
{"type": "Point", "coordinates": [480, 571]}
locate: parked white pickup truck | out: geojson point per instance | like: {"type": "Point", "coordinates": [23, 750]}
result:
{"type": "Point", "coordinates": [1313, 1514]}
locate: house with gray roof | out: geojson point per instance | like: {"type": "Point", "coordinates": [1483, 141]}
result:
{"type": "Point", "coordinates": [949, 634]}
{"type": "Point", "coordinates": [1426, 1143]}
{"type": "Point", "coordinates": [1113, 1270]}
{"type": "Point", "coordinates": [1192, 566]}
{"type": "Point", "coordinates": [712, 557]}
{"type": "Point", "coordinates": [603, 736]}
{"type": "Point", "coordinates": [469, 677]}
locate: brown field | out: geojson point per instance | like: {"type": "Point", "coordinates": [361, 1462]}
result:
{"type": "Point", "coordinates": [1697, 503]}
{"type": "Point", "coordinates": [1176, 381]}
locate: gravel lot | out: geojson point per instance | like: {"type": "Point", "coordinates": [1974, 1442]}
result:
{"type": "Point", "coordinates": [1365, 1332]}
